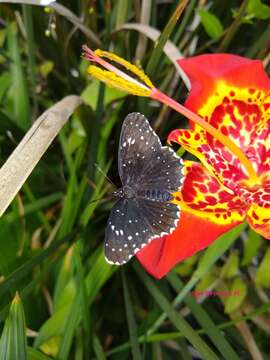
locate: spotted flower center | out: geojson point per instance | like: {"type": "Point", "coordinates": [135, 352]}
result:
{"type": "Point", "coordinates": [243, 115]}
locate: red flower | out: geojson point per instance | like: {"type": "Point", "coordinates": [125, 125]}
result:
{"type": "Point", "coordinates": [233, 95]}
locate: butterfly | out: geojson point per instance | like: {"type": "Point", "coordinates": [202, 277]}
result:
{"type": "Point", "coordinates": [150, 173]}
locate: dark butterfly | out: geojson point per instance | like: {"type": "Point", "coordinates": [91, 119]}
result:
{"type": "Point", "coordinates": [149, 173]}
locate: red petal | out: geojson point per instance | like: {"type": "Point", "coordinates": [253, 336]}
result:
{"type": "Point", "coordinates": [161, 255]}
{"type": "Point", "coordinates": [232, 94]}
{"type": "Point", "coordinates": [205, 70]}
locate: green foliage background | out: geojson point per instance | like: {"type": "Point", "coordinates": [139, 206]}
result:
{"type": "Point", "coordinates": [74, 304]}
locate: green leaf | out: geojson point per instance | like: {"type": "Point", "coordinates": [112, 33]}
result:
{"type": "Point", "coordinates": [98, 349]}
{"type": "Point", "coordinates": [231, 266]}
{"type": "Point", "coordinates": [98, 275]}
{"type": "Point", "coordinates": [33, 354]}
{"type": "Point", "coordinates": [51, 346]}
{"type": "Point", "coordinates": [83, 294]}
{"type": "Point", "coordinates": [210, 256]}
{"type": "Point", "coordinates": [9, 245]}
{"type": "Point", "coordinates": [63, 278]}
{"type": "Point", "coordinates": [24, 269]}
{"type": "Point", "coordinates": [18, 92]}
{"type": "Point", "coordinates": [178, 321]}
{"type": "Point", "coordinates": [213, 252]}
{"type": "Point", "coordinates": [186, 267]}
{"type": "Point", "coordinates": [5, 81]}
{"type": "Point", "coordinates": [257, 9]}
{"type": "Point", "coordinates": [132, 326]}
{"type": "Point", "coordinates": [206, 281]}
{"type": "Point", "coordinates": [205, 321]}
{"type": "Point", "coordinates": [164, 36]}
{"type": "Point", "coordinates": [13, 339]}
{"type": "Point", "coordinates": [54, 327]}
{"type": "Point", "coordinates": [262, 277]}
{"type": "Point", "coordinates": [121, 13]}
{"type": "Point", "coordinates": [236, 295]}
{"type": "Point", "coordinates": [251, 247]}
{"type": "Point", "coordinates": [90, 94]}
{"type": "Point", "coordinates": [69, 329]}
{"type": "Point", "coordinates": [79, 310]}
{"type": "Point", "coordinates": [211, 23]}
{"type": "Point", "coordinates": [46, 68]}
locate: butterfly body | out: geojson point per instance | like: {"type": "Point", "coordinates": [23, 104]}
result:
{"type": "Point", "coordinates": [129, 192]}
{"type": "Point", "coordinates": [125, 192]}
{"type": "Point", "coordinates": [150, 173]}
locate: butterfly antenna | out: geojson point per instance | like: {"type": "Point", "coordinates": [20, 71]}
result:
{"type": "Point", "coordinates": [103, 198]}
{"type": "Point", "coordinates": [103, 173]}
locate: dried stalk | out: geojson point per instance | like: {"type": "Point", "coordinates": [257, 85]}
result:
{"type": "Point", "coordinates": [24, 158]}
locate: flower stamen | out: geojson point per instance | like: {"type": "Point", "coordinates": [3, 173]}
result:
{"type": "Point", "coordinates": [117, 78]}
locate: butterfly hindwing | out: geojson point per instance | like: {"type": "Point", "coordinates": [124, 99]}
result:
{"type": "Point", "coordinates": [133, 224]}
{"type": "Point", "coordinates": [127, 232]}
{"type": "Point", "coordinates": [162, 217]}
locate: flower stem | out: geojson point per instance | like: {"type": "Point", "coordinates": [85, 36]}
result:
{"type": "Point", "coordinates": [163, 98]}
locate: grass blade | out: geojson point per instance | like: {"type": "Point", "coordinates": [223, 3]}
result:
{"type": "Point", "coordinates": [28, 21]}
{"type": "Point", "coordinates": [34, 354]}
{"type": "Point", "coordinates": [98, 349]}
{"type": "Point", "coordinates": [122, 12]}
{"type": "Point", "coordinates": [19, 86]}
{"type": "Point", "coordinates": [24, 269]}
{"type": "Point", "coordinates": [155, 56]}
{"type": "Point", "coordinates": [69, 330]}
{"type": "Point", "coordinates": [83, 295]}
{"type": "Point", "coordinates": [178, 321]}
{"type": "Point", "coordinates": [132, 327]}
{"type": "Point", "coordinates": [211, 255]}
{"type": "Point", "coordinates": [169, 49]}
{"type": "Point", "coordinates": [13, 339]}
{"type": "Point", "coordinates": [205, 321]}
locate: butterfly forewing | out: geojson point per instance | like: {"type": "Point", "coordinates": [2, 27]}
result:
{"type": "Point", "coordinates": [143, 161]}
{"type": "Point", "coordinates": [164, 171]}
{"type": "Point", "coordinates": [137, 143]}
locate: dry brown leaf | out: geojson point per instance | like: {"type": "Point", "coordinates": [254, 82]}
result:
{"type": "Point", "coordinates": [24, 158]}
